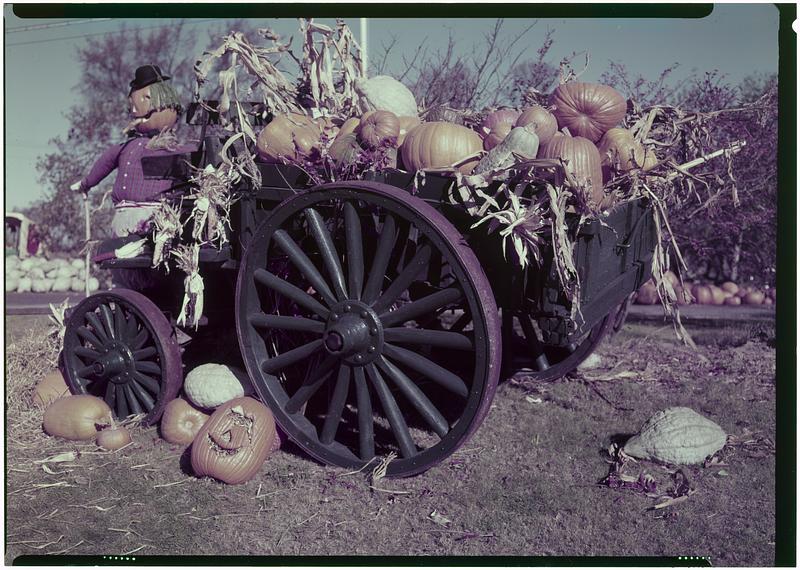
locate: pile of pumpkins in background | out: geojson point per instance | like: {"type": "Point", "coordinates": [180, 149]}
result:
{"type": "Point", "coordinates": [41, 275]}
{"type": "Point", "coordinates": [231, 434]}
{"type": "Point", "coordinates": [580, 125]}
{"type": "Point", "coordinates": [700, 293]}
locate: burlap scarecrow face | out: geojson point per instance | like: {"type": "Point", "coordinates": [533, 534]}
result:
{"type": "Point", "coordinates": [158, 104]}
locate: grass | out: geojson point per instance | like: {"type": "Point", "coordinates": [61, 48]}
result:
{"type": "Point", "coordinates": [526, 484]}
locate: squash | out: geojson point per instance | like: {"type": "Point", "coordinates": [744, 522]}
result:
{"type": "Point", "coordinates": [288, 137]}
{"type": "Point", "coordinates": [234, 442]}
{"type": "Point", "coordinates": [181, 422]}
{"type": "Point", "coordinates": [210, 385]}
{"type": "Point", "coordinates": [683, 295]}
{"type": "Point", "coordinates": [74, 417]}
{"type": "Point", "coordinates": [588, 109]}
{"type": "Point", "coordinates": [620, 152]}
{"type": "Point", "coordinates": [717, 295]}
{"type": "Point", "coordinates": [113, 438]}
{"type": "Point", "coordinates": [381, 128]}
{"type": "Point", "coordinates": [582, 161]}
{"type": "Point", "coordinates": [543, 121]}
{"type": "Point", "coordinates": [440, 145]}
{"type": "Point", "coordinates": [521, 140]}
{"type": "Point", "coordinates": [51, 387]}
{"type": "Point", "coordinates": [496, 135]}
{"type": "Point", "coordinates": [384, 93]}
{"type": "Point", "coordinates": [768, 301]}
{"type": "Point", "coordinates": [676, 435]}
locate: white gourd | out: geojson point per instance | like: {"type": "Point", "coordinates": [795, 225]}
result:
{"type": "Point", "coordinates": [13, 274]}
{"type": "Point", "coordinates": [520, 140]}
{"type": "Point", "coordinates": [384, 93]}
{"type": "Point", "coordinates": [11, 284]}
{"type": "Point", "coordinates": [94, 284]}
{"type": "Point", "coordinates": [12, 261]}
{"type": "Point", "coordinates": [28, 264]}
{"type": "Point", "coordinates": [62, 284]}
{"type": "Point", "coordinates": [77, 264]}
{"type": "Point", "coordinates": [52, 274]}
{"type": "Point", "coordinates": [36, 273]}
{"type": "Point", "coordinates": [24, 285]}
{"type": "Point", "coordinates": [41, 285]}
{"type": "Point", "coordinates": [66, 271]}
{"type": "Point", "coordinates": [211, 385]}
{"type": "Point", "coordinates": [76, 284]}
{"type": "Point", "coordinates": [678, 436]}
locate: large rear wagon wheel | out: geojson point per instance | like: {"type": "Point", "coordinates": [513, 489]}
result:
{"type": "Point", "coordinates": [118, 346]}
{"type": "Point", "coordinates": [342, 311]}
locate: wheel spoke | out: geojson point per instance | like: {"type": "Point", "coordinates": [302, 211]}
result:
{"type": "Point", "coordinates": [393, 413]}
{"type": "Point", "coordinates": [461, 322]}
{"type": "Point", "coordinates": [416, 309]}
{"type": "Point", "coordinates": [119, 322]}
{"type": "Point", "coordinates": [131, 327]}
{"type": "Point", "coordinates": [84, 352]}
{"type": "Point", "coordinates": [151, 384]}
{"type": "Point", "coordinates": [99, 331]}
{"type": "Point", "coordinates": [406, 277]}
{"type": "Point", "coordinates": [355, 251]}
{"type": "Point", "coordinates": [427, 368]}
{"type": "Point", "coordinates": [281, 322]}
{"type": "Point", "coordinates": [107, 319]}
{"type": "Point", "coordinates": [122, 403]}
{"type": "Point", "coordinates": [133, 404]}
{"type": "Point", "coordinates": [336, 406]}
{"type": "Point", "coordinates": [111, 395]}
{"type": "Point", "coordinates": [366, 429]}
{"type": "Point", "coordinates": [142, 395]}
{"type": "Point", "coordinates": [440, 339]}
{"type": "Point", "coordinates": [329, 254]}
{"type": "Point", "coordinates": [289, 291]}
{"type": "Point", "coordinates": [417, 398]}
{"type": "Point", "coordinates": [381, 260]}
{"type": "Point", "coordinates": [148, 367]}
{"type": "Point", "coordinates": [145, 353]}
{"type": "Point", "coordinates": [295, 355]}
{"type": "Point", "coordinates": [312, 382]}
{"type": "Point", "coordinates": [140, 339]}
{"type": "Point", "coordinates": [89, 337]}
{"type": "Point", "coordinates": [304, 264]}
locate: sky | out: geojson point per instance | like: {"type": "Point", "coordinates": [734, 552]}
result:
{"type": "Point", "coordinates": [41, 67]}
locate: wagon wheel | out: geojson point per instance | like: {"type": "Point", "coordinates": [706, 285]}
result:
{"type": "Point", "coordinates": [119, 346]}
{"type": "Point", "coordinates": [342, 310]}
{"type": "Point", "coordinates": [548, 362]}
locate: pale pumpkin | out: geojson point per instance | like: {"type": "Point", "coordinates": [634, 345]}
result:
{"type": "Point", "coordinates": [582, 161]}
{"type": "Point", "coordinates": [730, 286]}
{"type": "Point", "coordinates": [733, 300]}
{"type": "Point", "coordinates": [75, 417]}
{"type": "Point", "coordinates": [181, 422]}
{"type": "Point", "coordinates": [441, 145]}
{"type": "Point", "coordinates": [384, 93]}
{"type": "Point", "coordinates": [543, 121]}
{"type": "Point", "coordinates": [702, 294]}
{"type": "Point", "coordinates": [51, 387]}
{"type": "Point", "coordinates": [234, 442]}
{"type": "Point", "coordinates": [495, 136]}
{"type": "Point", "coordinates": [381, 128]}
{"type": "Point", "coordinates": [587, 109]}
{"type": "Point", "coordinates": [676, 435]}
{"type": "Point", "coordinates": [288, 138]}
{"type": "Point", "coordinates": [647, 294]}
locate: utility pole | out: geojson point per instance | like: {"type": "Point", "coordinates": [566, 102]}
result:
{"type": "Point", "coordinates": [363, 46]}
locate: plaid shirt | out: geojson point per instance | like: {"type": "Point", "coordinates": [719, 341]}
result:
{"type": "Point", "coordinates": [130, 184]}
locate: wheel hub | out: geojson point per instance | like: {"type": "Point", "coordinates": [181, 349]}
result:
{"type": "Point", "coordinates": [353, 332]}
{"type": "Point", "coordinates": [116, 359]}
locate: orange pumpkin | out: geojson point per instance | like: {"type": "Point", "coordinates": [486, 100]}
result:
{"type": "Point", "coordinates": [440, 145]}
{"type": "Point", "coordinates": [582, 161]}
{"type": "Point", "coordinates": [588, 109]}
{"type": "Point", "coordinates": [50, 388]}
{"type": "Point", "coordinates": [288, 137]}
{"type": "Point", "coordinates": [543, 121]}
{"type": "Point", "coordinates": [181, 422]}
{"type": "Point", "coordinates": [379, 128]}
{"type": "Point", "coordinates": [495, 136]}
{"type": "Point", "coordinates": [235, 441]}
{"type": "Point", "coordinates": [620, 152]}
{"type": "Point", "coordinates": [406, 124]}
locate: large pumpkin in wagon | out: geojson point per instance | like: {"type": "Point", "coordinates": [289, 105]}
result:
{"type": "Point", "coordinates": [582, 160]}
{"type": "Point", "coordinates": [588, 109]}
{"type": "Point", "coordinates": [440, 145]}
{"type": "Point", "coordinates": [288, 138]}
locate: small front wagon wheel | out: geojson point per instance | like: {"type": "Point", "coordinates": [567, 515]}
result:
{"type": "Point", "coordinates": [345, 304]}
{"type": "Point", "coordinates": [118, 346]}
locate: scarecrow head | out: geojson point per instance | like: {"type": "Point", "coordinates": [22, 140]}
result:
{"type": "Point", "coordinates": [153, 102]}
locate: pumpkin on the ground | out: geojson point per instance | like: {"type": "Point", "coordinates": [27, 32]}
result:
{"type": "Point", "coordinates": [75, 417]}
{"type": "Point", "coordinates": [181, 422]}
{"type": "Point", "coordinates": [113, 437]}
{"type": "Point", "coordinates": [588, 109]}
{"type": "Point", "coordinates": [441, 145]}
{"type": "Point", "coordinates": [51, 387]}
{"type": "Point", "coordinates": [234, 442]}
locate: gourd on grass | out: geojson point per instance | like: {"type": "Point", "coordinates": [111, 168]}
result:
{"type": "Point", "coordinates": [210, 385]}
{"type": "Point", "coordinates": [51, 387]}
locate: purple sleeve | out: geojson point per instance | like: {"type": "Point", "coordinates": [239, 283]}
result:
{"type": "Point", "coordinates": [103, 167]}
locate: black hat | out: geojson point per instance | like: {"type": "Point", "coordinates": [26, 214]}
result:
{"type": "Point", "coordinates": [147, 75]}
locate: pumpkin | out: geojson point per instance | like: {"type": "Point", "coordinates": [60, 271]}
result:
{"type": "Point", "coordinates": [345, 150]}
{"type": "Point", "coordinates": [647, 294]}
{"type": "Point", "coordinates": [683, 295]}
{"type": "Point", "coordinates": [676, 435]}
{"type": "Point", "coordinates": [161, 99]}
{"type": "Point", "coordinates": [717, 295]}
{"type": "Point", "coordinates": [753, 298]}
{"type": "Point", "coordinates": [406, 124]}
{"type": "Point", "coordinates": [384, 93]}
{"type": "Point", "coordinates": [703, 294]}
{"type": "Point", "coordinates": [113, 438]}
{"type": "Point", "coordinates": [496, 126]}
{"type": "Point", "coordinates": [733, 300]}
{"type": "Point", "coordinates": [521, 140]}
{"type": "Point", "coordinates": [74, 417]}
{"type": "Point", "coordinates": [51, 387]}
{"type": "Point", "coordinates": [288, 137]}
{"type": "Point", "coordinates": [730, 286]}
{"type": "Point", "coordinates": [587, 109]}
{"type": "Point", "coordinates": [620, 152]}
{"type": "Point", "coordinates": [440, 145]}
{"type": "Point", "coordinates": [181, 422]}
{"type": "Point", "coordinates": [582, 161]}
{"type": "Point", "coordinates": [543, 121]}
{"type": "Point", "coordinates": [234, 442]}
{"type": "Point", "coordinates": [381, 128]}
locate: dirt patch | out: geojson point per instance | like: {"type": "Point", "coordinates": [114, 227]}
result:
{"type": "Point", "coordinates": [526, 484]}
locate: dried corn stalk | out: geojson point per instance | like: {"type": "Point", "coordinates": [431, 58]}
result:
{"type": "Point", "coordinates": [166, 229]}
{"type": "Point", "coordinates": [212, 203]}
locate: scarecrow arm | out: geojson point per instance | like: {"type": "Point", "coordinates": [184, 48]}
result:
{"type": "Point", "coordinates": [106, 164]}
